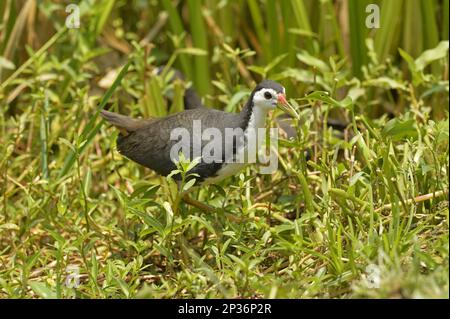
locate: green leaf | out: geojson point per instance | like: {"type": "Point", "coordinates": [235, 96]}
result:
{"type": "Point", "coordinates": [235, 99]}
{"type": "Point", "coordinates": [398, 129]}
{"type": "Point", "coordinates": [176, 26]}
{"type": "Point", "coordinates": [67, 143]}
{"type": "Point", "coordinates": [91, 129]}
{"type": "Point", "coordinates": [409, 59]}
{"type": "Point", "coordinates": [60, 239]}
{"type": "Point", "coordinates": [308, 59]}
{"type": "Point", "coordinates": [193, 163]}
{"type": "Point", "coordinates": [238, 261]}
{"type": "Point", "coordinates": [346, 196]}
{"type": "Point", "coordinates": [431, 55]}
{"type": "Point", "coordinates": [204, 222]}
{"type": "Point", "coordinates": [303, 32]}
{"type": "Point", "coordinates": [6, 64]}
{"type": "Point", "coordinates": [325, 97]}
{"type": "Point", "coordinates": [387, 83]}
{"type": "Point", "coordinates": [172, 173]}
{"type": "Point", "coordinates": [192, 51]}
{"type": "Point", "coordinates": [357, 177]}
{"type": "Point", "coordinates": [169, 213]}
{"type": "Point", "coordinates": [257, 69]}
{"type": "Point", "coordinates": [416, 75]}
{"type": "Point", "coordinates": [189, 184]}
{"type": "Point", "coordinates": [275, 62]}
{"type": "Point", "coordinates": [436, 88]}
{"type": "Point", "coordinates": [123, 286]}
{"type": "Point", "coordinates": [42, 290]}
{"type": "Point", "coordinates": [105, 12]}
{"type": "Point", "coordinates": [302, 76]}
{"type": "Point", "coordinates": [149, 220]}
{"type": "Point", "coordinates": [9, 226]}
{"type": "Point", "coordinates": [94, 266]}
{"type": "Point", "coordinates": [442, 132]}
{"type": "Point", "coordinates": [87, 181]}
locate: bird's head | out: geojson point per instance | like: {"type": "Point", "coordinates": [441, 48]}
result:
{"type": "Point", "coordinates": [269, 94]}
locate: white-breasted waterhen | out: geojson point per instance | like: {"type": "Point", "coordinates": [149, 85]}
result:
{"type": "Point", "coordinates": [149, 141]}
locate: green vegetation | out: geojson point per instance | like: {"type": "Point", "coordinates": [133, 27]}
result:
{"type": "Point", "coordinates": [365, 202]}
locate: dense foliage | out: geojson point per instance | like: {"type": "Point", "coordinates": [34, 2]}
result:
{"type": "Point", "coordinates": [357, 208]}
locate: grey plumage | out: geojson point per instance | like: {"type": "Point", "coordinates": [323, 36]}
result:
{"type": "Point", "coordinates": [148, 142]}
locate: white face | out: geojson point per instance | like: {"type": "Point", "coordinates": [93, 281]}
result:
{"type": "Point", "coordinates": [266, 99]}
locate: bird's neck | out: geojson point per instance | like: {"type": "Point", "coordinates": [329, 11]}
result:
{"type": "Point", "coordinates": [253, 116]}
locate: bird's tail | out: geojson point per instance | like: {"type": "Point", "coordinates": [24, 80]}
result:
{"type": "Point", "coordinates": [124, 123]}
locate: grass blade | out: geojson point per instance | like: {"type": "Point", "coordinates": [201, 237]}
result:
{"type": "Point", "coordinates": [301, 17]}
{"type": "Point", "coordinates": [259, 28]}
{"type": "Point", "coordinates": [90, 130]}
{"type": "Point", "coordinates": [445, 25]}
{"type": "Point", "coordinates": [43, 132]}
{"type": "Point", "coordinates": [177, 28]}
{"type": "Point", "coordinates": [103, 18]}
{"type": "Point", "coordinates": [387, 35]}
{"type": "Point", "coordinates": [358, 33]}
{"type": "Point", "coordinates": [272, 24]}
{"type": "Point", "coordinates": [202, 78]}
{"type": "Point", "coordinates": [38, 53]}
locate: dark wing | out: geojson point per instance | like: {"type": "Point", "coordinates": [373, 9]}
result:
{"type": "Point", "coordinates": [152, 144]}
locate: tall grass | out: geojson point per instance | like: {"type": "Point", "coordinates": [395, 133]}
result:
{"type": "Point", "coordinates": [202, 77]}
{"type": "Point", "coordinates": [177, 29]}
{"type": "Point", "coordinates": [444, 23]}
{"type": "Point", "coordinates": [271, 27]}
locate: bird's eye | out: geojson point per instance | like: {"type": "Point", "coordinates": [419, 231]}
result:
{"type": "Point", "coordinates": [267, 95]}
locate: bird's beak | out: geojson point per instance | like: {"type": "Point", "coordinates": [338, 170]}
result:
{"type": "Point", "coordinates": [286, 107]}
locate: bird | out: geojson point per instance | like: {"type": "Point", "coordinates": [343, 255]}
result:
{"type": "Point", "coordinates": [150, 142]}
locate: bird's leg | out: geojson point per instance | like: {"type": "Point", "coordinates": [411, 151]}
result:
{"type": "Point", "coordinates": [202, 206]}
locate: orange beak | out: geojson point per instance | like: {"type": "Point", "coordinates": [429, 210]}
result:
{"type": "Point", "coordinates": [282, 99]}
{"type": "Point", "coordinates": [286, 107]}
